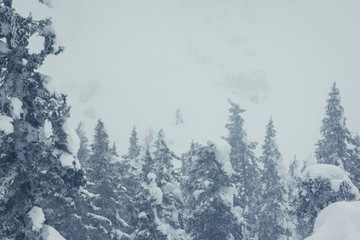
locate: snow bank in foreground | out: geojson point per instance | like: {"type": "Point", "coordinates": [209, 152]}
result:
{"type": "Point", "coordinates": [334, 174]}
{"type": "Point", "coordinates": [339, 220]}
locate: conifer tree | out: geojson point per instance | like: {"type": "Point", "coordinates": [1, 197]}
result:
{"type": "Point", "coordinates": [353, 164]}
{"type": "Point", "coordinates": [337, 145]}
{"type": "Point", "coordinates": [147, 200]}
{"type": "Point", "coordinates": [101, 155]}
{"type": "Point", "coordinates": [272, 214]}
{"type": "Point", "coordinates": [170, 211]}
{"type": "Point", "coordinates": [105, 181]}
{"type": "Point", "coordinates": [36, 170]}
{"type": "Point", "coordinates": [331, 148]}
{"type": "Point", "coordinates": [244, 164]}
{"type": "Point", "coordinates": [209, 193]}
{"type": "Point", "coordinates": [132, 157]}
{"type": "Point", "coordinates": [134, 148]}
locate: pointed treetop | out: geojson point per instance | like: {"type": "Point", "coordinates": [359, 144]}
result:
{"type": "Point", "coordinates": [101, 138]}
{"type": "Point", "coordinates": [331, 148]}
{"type": "Point", "coordinates": [134, 148]}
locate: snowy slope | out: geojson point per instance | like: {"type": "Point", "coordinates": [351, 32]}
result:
{"type": "Point", "coordinates": [338, 221]}
{"type": "Point", "coordinates": [136, 62]}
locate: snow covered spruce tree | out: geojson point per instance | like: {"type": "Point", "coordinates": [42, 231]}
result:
{"type": "Point", "coordinates": [132, 157]}
{"type": "Point", "coordinates": [209, 196]}
{"type": "Point", "coordinates": [105, 181]}
{"type": "Point", "coordinates": [84, 151]}
{"type": "Point", "coordinates": [170, 211]}
{"type": "Point", "coordinates": [337, 145]}
{"type": "Point", "coordinates": [38, 169]}
{"type": "Point", "coordinates": [147, 200]}
{"type": "Point", "coordinates": [245, 165]}
{"type": "Point", "coordinates": [272, 215]}
{"type": "Point", "coordinates": [353, 164]}
{"type": "Point", "coordinates": [331, 148]}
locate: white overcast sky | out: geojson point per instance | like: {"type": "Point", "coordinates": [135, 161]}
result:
{"type": "Point", "coordinates": [135, 62]}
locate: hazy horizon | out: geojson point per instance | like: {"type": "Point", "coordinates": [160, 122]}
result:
{"type": "Point", "coordinates": [136, 62]}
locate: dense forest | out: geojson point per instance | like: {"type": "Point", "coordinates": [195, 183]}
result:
{"type": "Point", "coordinates": [55, 184]}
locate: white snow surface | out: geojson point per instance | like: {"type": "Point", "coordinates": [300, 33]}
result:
{"type": "Point", "coordinates": [48, 129]}
{"type": "Point", "coordinates": [173, 189]}
{"type": "Point", "coordinates": [6, 124]}
{"type": "Point", "coordinates": [37, 217]}
{"type": "Point", "coordinates": [87, 193]}
{"type": "Point", "coordinates": [156, 193]}
{"type": "Point", "coordinates": [227, 194]}
{"type": "Point", "coordinates": [68, 160]}
{"type": "Point", "coordinates": [334, 174]}
{"type": "Point", "coordinates": [337, 221]}
{"type": "Point", "coordinates": [15, 108]}
{"type": "Point", "coordinates": [4, 47]}
{"type": "Point", "coordinates": [73, 141]}
{"type": "Point", "coordinates": [50, 233]}
{"type": "Point", "coordinates": [223, 150]}
{"type": "Point", "coordinates": [142, 215]}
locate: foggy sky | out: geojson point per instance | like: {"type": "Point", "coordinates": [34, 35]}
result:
{"type": "Point", "coordinates": [135, 62]}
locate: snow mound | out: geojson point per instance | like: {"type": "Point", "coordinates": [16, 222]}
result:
{"type": "Point", "coordinates": [16, 108]}
{"type": "Point", "coordinates": [37, 218]}
{"type": "Point", "coordinates": [170, 188]}
{"type": "Point", "coordinates": [48, 130]}
{"type": "Point", "coordinates": [334, 174]}
{"type": "Point", "coordinates": [339, 220]}
{"type": "Point", "coordinates": [68, 160]}
{"type": "Point", "coordinates": [73, 141]}
{"type": "Point", "coordinates": [4, 48]}
{"type": "Point", "coordinates": [50, 233]}
{"type": "Point", "coordinates": [227, 195]}
{"type": "Point", "coordinates": [6, 124]}
{"type": "Point", "coordinates": [156, 193]}
{"type": "Point", "coordinates": [223, 150]}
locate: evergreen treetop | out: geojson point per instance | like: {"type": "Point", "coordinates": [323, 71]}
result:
{"type": "Point", "coordinates": [331, 148]}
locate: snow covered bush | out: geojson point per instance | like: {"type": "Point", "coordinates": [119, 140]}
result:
{"type": "Point", "coordinates": [321, 185]}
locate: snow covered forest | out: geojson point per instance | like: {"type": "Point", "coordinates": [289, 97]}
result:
{"type": "Point", "coordinates": [61, 182]}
